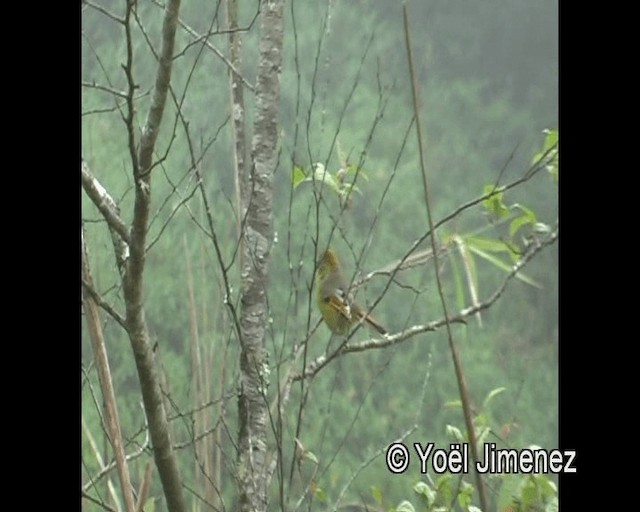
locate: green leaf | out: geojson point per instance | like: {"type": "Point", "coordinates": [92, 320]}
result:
{"type": "Point", "coordinates": [554, 171]}
{"type": "Point", "coordinates": [320, 494]}
{"type": "Point", "coordinates": [320, 174]}
{"type": "Point", "coordinates": [443, 487]}
{"type": "Point", "coordinates": [487, 244]}
{"type": "Point", "coordinates": [493, 393]}
{"type": "Point", "coordinates": [443, 481]}
{"type": "Point", "coordinates": [469, 267]}
{"type": "Point", "coordinates": [353, 170]}
{"type": "Point", "coordinates": [552, 138]}
{"type": "Point", "coordinates": [311, 456]}
{"type": "Point", "coordinates": [458, 286]}
{"type": "Point", "coordinates": [541, 228]}
{"type": "Point", "coordinates": [481, 420]}
{"type": "Point", "coordinates": [546, 487]}
{"type": "Point", "coordinates": [527, 217]}
{"type": "Point", "coordinates": [508, 489]}
{"type": "Point", "coordinates": [347, 187]}
{"type": "Point", "coordinates": [484, 432]}
{"type": "Point", "coordinates": [405, 506]}
{"type": "Point", "coordinates": [455, 433]}
{"type": "Point", "coordinates": [298, 176]}
{"type": "Point", "coordinates": [465, 495]}
{"type": "Point", "coordinates": [552, 506]}
{"type": "Point", "coordinates": [376, 492]}
{"type": "Point", "coordinates": [551, 155]}
{"type": "Point", "coordinates": [494, 203]}
{"type": "Point", "coordinates": [507, 268]}
{"type": "Point", "coordinates": [528, 493]}
{"type": "Point", "coordinates": [423, 489]}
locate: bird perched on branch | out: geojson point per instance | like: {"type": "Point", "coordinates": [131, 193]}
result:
{"type": "Point", "coordinates": [336, 304]}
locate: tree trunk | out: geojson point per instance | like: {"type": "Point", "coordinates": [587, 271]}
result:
{"type": "Point", "coordinates": [257, 237]}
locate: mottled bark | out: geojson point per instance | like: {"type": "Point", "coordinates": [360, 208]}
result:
{"type": "Point", "coordinates": [257, 237]}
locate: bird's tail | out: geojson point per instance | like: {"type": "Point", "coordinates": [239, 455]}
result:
{"type": "Point", "coordinates": [371, 321]}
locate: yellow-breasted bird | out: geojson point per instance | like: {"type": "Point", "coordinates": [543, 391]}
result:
{"type": "Point", "coordinates": [336, 304]}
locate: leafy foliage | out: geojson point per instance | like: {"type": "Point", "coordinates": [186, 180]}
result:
{"type": "Point", "coordinates": [550, 153]}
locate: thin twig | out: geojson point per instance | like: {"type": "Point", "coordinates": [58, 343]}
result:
{"type": "Point", "coordinates": [213, 48]}
{"type": "Point", "coordinates": [104, 88]}
{"type": "Point", "coordinates": [90, 498]}
{"type": "Point", "coordinates": [108, 309]}
{"type": "Point", "coordinates": [102, 10]}
{"type": "Point", "coordinates": [106, 384]}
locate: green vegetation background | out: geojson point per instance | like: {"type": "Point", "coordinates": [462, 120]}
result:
{"type": "Point", "coordinates": [488, 74]}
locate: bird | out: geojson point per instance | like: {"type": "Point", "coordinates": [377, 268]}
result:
{"type": "Point", "coordinates": [336, 304]}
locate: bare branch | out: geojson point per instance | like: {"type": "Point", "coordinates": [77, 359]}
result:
{"type": "Point", "coordinates": [154, 406]}
{"type": "Point", "coordinates": [97, 454]}
{"type": "Point", "coordinates": [246, 83]}
{"type": "Point", "coordinates": [118, 106]}
{"type": "Point", "coordinates": [129, 100]}
{"type": "Point", "coordinates": [173, 212]}
{"type": "Point", "coordinates": [199, 37]}
{"type": "Point", "coordinates": [143, 493]}
{"type": "Point", "coordinates": [104, 88]}
{"type": "Point", "coordinates": [103, 505]}
{"type": "Point", "coordinates": [102, 10]}
{"type": "Point", "coordinates": [104, 373]}
{"type": "Point", "coordinates": [110, 467]}
{"type": "Point", "coordinates": [100, 301]}
{"type": "Point", "coordinates": [391, 269]}
{"type": "Point", "coordinates": [238, 117]}
{"type": "Point", "coordinates": [104, 202]}
{"type": "Point", "coordinates": [163, 79]}
{"type": "Point", "coordinates": [212, 234]}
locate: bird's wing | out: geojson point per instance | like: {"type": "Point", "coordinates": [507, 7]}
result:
{"type": "Point", "coordinates": [340, 301]}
